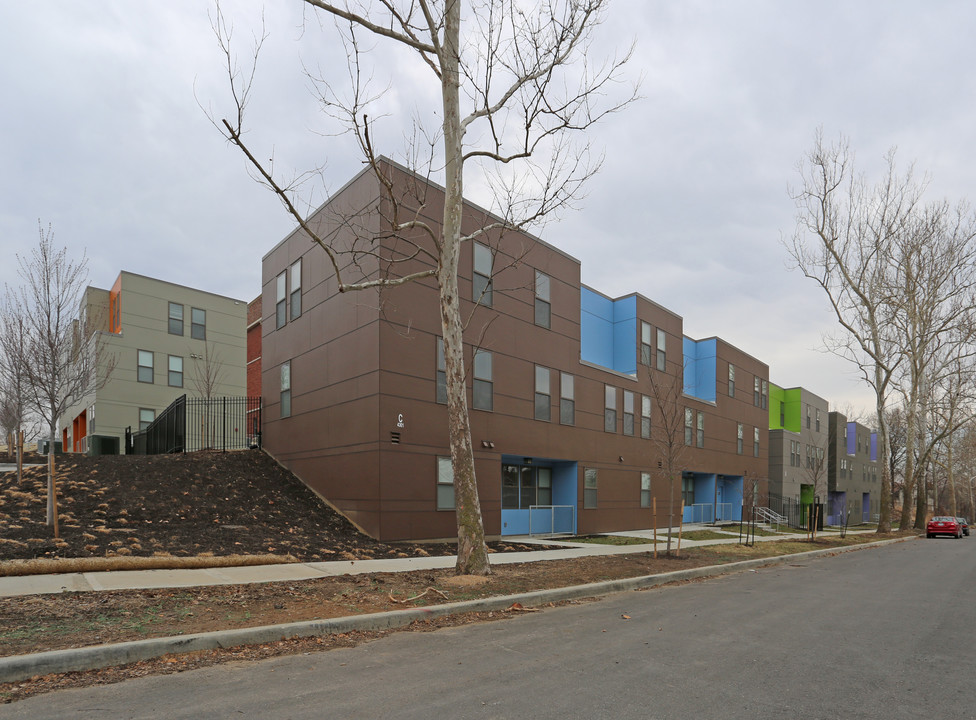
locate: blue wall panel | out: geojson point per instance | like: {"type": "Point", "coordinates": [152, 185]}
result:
{"type": "Point", "coordinates": [625, 335]}
{"type": "Point", "coordinates": [700, 358]}
{"type": "Point", "coordinates": [596, 328]}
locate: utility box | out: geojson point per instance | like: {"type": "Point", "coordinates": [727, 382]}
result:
{"type": "Point", "coordinates": [103, 445]}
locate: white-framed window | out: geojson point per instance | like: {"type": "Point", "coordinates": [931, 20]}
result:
{"type": "Point", "coordinates": [286, 389]}
{"type": "Point", "coordinates": [445, 484]}
{"type": "Point", "coordinates": [567, 400]}
{"type": "Point", "coordinates": [646, 416]}
{"type": "Point", "coordinates": [482, 387]}
{"type": "Point", "coordinates": [662, 354]}
{"type": "Point", "coordinates": [146, 416]}
{"type": "Point", "coordinates": [144, 370]}
{"type": "Point", "coordinates": [543, 306]}
{"type": "Point", "coordinates": [175, 320]}
{"type": "Point", "coordinates": [481, 278]}
{"type": "Point", "coordinates": [543, 393]}
{"type": "Point", "coordinates": [295, 280]}
{"type": "Point", "coordinates": [610, 409]}
{"type": "Point", "coordinates": [645, 489]}
{"type": "Point", "coordinates": [645, 343]}
{"type": "Point", "coordinates": [590, 481]}
{"type": "Point", "coordinates": [628, 412]}
{"type": "Point", "coordinates": [198, 324]}
{"type": "Point", "coordinates": [441, 373]}
{"type": "Point", "coordinates": [175, 371]}
{"type": "Point", "coordinates": [281, 300]}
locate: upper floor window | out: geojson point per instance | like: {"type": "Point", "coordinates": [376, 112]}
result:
{"type": "Point", "coordinates": [441, 373]}
{"type": "Point", "coordinates": [645, 343]}
{"type": "Point", "coordinates": [628, 412]}
{"type": "Point", "coordinates": [645, 416]}
{"type": "Point", "coordinates": [701, 429]}
{"type": "Point", "coordinates": [731, 380]}
{"type": "Point", "coordinates": [755, 442]}
{"type": "Point", "coordinates": [662, 355]}
{"type": "Point", "coordinates": [755, 392]}
{"type": "Point", "coordinates": [689, 426]}
{"type": "Point", "coordinates": [144, 370]}
{"type": "Point", "coordinates": [281, 300]}
{"type": "Point", "coordinates": [198, 324]}
{"type": "Point", "coordinates": [808, 417]}
{"type": "Point", "coordinates": [286, 389]}
{"type": "Point", "coordinates": [765, 394]}
{"type": "Point", "coordinates": [738, 438]}
{"type": "Point", "coordinates": [175, 319]}
{"type": "Point", "coordinates": [175, 371]}
{"type": "Point", "coordinates": [483, 262]}
{"type": "Point", "coordinates": [610, 409]}
{"type": "Point", "coordinates": [543, 393]}
{"type": "Point", "coordinates": [567, 399]}
{"type": "Point", "coordinates": [482, 386]}
{"type": "Point", "coordinates": [295, 279]}
{"type": "Point", "coordinates": [543, 308]}
{"type": "Point", "coordinates": [818, 419]}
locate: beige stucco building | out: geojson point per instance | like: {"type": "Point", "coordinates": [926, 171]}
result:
{"type": "Point", "coordinates": [156, 341]}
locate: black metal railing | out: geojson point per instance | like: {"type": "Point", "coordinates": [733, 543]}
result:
{"type": "Point", "coordinates": [189, 424]}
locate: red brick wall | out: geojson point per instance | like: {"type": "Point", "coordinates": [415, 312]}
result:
{"type": "Point", "coordinates": [254, 347]}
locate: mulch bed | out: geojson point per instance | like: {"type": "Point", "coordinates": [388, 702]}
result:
{"type": "Point", "coordinates": [204, 503]}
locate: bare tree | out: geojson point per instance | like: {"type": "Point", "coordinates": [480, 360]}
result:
{"type": "Point", "coordinates": [522, 74]}
{"type": "Point", "coordinates": [206, 375]}
{"type": "Point", "coordinates": [60, 339]}
{"type": "Point", "coordinates": [846, 232]}
{"type": "Point", "coordinates": [14, 412]}
{"type": "Point", "coordinates": [668, 434]}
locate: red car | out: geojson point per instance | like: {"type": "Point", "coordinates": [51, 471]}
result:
{"type": "Point", "coordinates": [943, 525]}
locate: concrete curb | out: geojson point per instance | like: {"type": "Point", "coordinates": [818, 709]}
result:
{"type": "Point", "coordinates": [16, 668]}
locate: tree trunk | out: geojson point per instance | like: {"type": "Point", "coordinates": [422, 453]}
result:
{"type": "Point", "coordinates": [907, 512]}
{"type": "Point", "coordinates": [50, 476]}
{"type": "Point", "coordinates": [884, 512]}
{"type": "Point", "coordinates": [472, 558]}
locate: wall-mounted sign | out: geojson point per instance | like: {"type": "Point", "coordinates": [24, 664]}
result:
{"type": "Point", "coordinates": [400, 420]}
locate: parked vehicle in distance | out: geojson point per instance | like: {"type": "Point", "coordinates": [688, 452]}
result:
{"type": "Point", "coordinates": [943, 525]}
{"type": "Point", "coordinates": [964, 524]}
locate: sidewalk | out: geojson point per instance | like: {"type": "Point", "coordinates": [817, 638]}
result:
{"type": "Point", "coordinates": [284, 572]}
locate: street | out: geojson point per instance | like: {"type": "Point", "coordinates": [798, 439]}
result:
{"type": "Point", "coordinates": [878, 633]}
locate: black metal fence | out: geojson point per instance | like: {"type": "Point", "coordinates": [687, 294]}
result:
{"type": "Point", "coordinates": [188, 424]}
{"type": "Point", "coordinates": [797, 513]}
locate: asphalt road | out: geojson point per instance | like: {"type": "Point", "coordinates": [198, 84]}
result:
{"type": "Point", "coordinates": [880, 633]}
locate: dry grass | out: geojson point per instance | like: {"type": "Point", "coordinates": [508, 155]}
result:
{"type": "Point", "coordinates": [45, 566]}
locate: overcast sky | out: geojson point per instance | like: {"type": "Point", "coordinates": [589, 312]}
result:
{"type": "Point", "coordinates": [102, 136]}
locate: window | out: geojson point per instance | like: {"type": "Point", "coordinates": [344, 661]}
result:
{"type": "Point", "coordinates": [286, 389]}
{"type": "Point", "coordinates": [689, 426]}
{"type": "Point", "coordinates": [589, 488]}
{"type": "Point", "coordinates": [701, 429]}
{"type": "Point", "coordinates": [645, 344]}
{"type": "Point", "coordinates": [738, 438]}
{"type": "Point", "coordinates": [281, 287]}
{"type": "Point", "coordinates": [628, 412]}
{"type": "Point", "coordinates": [175, 319]}
{"type": "Point", "coordinates": [482, 275]}
{"type": "Point", "coordinates": [755, 391]}
{"type": "Point", "coordinates": [198, 324]}
{"type": "Point", "coordinates": [755, 442]}
{"type": "Point", "coordinates": [295, 278]}
{"type": "Point", "coordinates": [567, 400]}
{"type": "Point", "coordinates": [482, 386]}
{"type": "Point", "coordinates": [782, 414]}
{"type": "Point", "coordinates": [645, 416]}
{"type": "Point", "coordinates": [543, 394]}
{"type": "Point", "coordinates": [144, 372]}
{"type": "Point", "coordinates": [610, 409]}
{"type": "Point", "coordinates": [445, 484]}
{"type": "Point", "coordinates": [175, 371]}
{"type": "Point", "coordinates": [146, 417]}
{"type": "Point", "coordinates": [818, 419]}
{"type": "Point", "coordinates": [645, 490]}
{"type": "Point", "coordinates": [543, 308]}
{"type": "Point", "coordinates": [808, 417]}
{"type": "Point", "coordinates": [765, 394]}
{"type": "Point", "coordinates": [688, 490]}
{"type": "Point", "coordinates": [525, 485]}
{"type": "Point", "coordinates": [731, 380]}
{"type": "Point", "coordinates": [441, 373]}
{"type": "Point", "coordinates": [661, 350]}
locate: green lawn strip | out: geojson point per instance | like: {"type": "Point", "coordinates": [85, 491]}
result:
{"type": "Point", "coordinates": [612, 540]}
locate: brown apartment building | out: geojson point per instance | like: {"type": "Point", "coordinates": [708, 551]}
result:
{"type": "Point", "coordinates": [563, 384]}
